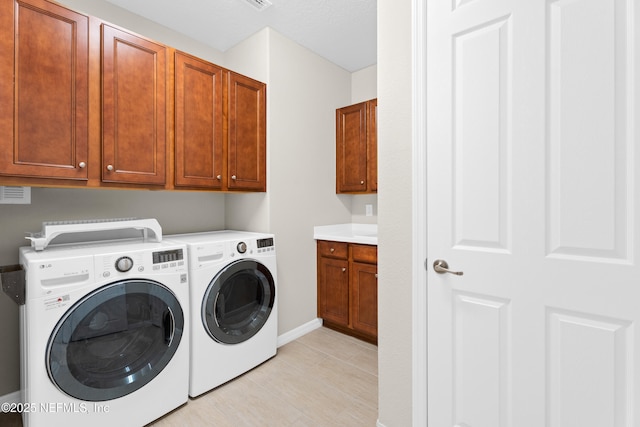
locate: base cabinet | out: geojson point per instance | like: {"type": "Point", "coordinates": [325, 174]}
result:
{"type": "Point", "coordinates": [348, 288]}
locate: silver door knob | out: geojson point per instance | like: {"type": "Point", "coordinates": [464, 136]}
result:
{"type": "Point", "coordinates": [82, 165]}
{"type": "Point", "coordinates": [233, 177]}
{"type": "Point", "coordinates": [441, 267]}
{"type": "Point", "coordinates": [110, 168]}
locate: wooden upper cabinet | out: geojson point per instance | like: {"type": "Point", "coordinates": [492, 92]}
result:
{"type": "Point", "coordinates": [133, 108]}
{"type": "Point", "coordinates": [356, 148]}
{"type": "Point", "coordinates": [84, 103]}
{"type": "Point", "coordinates": [44, 74]}
{"type": "Point", "coordinates": [372, 145]}
{"type": "Point", "coordinates": [247, 117]}
{"type": "Point", "coordinates": [198, 136]}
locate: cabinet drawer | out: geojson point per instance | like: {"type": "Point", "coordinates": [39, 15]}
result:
{"type": "Point", "coordinates": [332, 249]}
{"type": "Point", "coordinates": [364, 253]}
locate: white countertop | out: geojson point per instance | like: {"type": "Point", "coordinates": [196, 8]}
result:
{"type": "Point", "coordinates": [366, 234]}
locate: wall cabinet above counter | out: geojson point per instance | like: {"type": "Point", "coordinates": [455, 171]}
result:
{"type": "Point", "coordinates": [357, 148]}
{"type": "Point", "coordinates": [89, 104]}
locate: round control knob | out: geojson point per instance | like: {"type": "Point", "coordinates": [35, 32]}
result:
{"type": "Point", "coordinates": [242, 247]}
{"type": "Point", "coordinates": [124, 264]}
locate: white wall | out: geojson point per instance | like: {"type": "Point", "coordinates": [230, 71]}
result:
{"type": "Point", "coordinates": [136, 23]}
{"type": "Point", "coordinates": [364, 87]}
{"type": "Point", "coordinates": [364, 84]}
{"type": "Point", "coordinates": [251, 211]}
{"type": "Point", "coordinates": [395, 213]}
{"type": "Point", "coordinates": [303, 92]}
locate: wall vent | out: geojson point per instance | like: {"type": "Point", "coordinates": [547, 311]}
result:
{"type": "Point", "coordinates": [260, 5]}
{"type": "Point", "coordinates": [15, 195]}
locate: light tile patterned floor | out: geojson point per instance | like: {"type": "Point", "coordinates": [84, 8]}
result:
{"type": "Point", "coordinates": [322, 379]}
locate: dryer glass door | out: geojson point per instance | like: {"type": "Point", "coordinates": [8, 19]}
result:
{"type": "Point", "coordinates": [238, 301]}
{"type": "Point", "coordinates": [115, 340]}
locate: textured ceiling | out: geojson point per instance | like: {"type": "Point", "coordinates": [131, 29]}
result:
{"type": "Point", "coordinates": [342, 31]}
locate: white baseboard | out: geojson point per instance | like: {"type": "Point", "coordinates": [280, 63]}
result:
{"type": "Point", "coordinates": [296, 333]}
{"type": "Point", "coordinates": [11, 397]}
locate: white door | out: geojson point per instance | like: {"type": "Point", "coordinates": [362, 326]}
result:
{"type": "Point", "coordinates": [533, 174]}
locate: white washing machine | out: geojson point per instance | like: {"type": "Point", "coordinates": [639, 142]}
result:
{"type": "Point", "coordinates": [234, 316]}
{"type": "Point", "coordinates": [104, 333]}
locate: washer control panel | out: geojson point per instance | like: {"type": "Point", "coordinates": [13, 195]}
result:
{"type": "Point", "coordinates": [140, 262]}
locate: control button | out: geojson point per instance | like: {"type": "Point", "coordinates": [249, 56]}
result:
{"type": "Point", "coordinates": [141, 268]}
{"type": "Point", "coordinates": [124, 264]}
{"type": "Point", "coordinates": [106, 274]}
{"type": "Point", "coordinates": [242, 247]}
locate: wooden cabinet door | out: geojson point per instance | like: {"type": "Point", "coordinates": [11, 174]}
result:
{"type": "Point", "coordinates": [134, 108]}
{"type": "Point", "coordinates": [372, 145]}
{"type": "Point", "coordinates": [198, 138]}
{"type": "Point", "coordinates": [43, 90]}
{"type": "Point", "coordinates": [247, 117]}
{"type": "Point", "coordinates": [351, 148]}
{"type": "Point", "coordinates": [364, 298]}
{"type": "Point", "coordinates": [333, 290]}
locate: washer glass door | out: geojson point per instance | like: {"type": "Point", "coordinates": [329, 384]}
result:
{"type": "Point", "coordinates": [115, 340]}
{"type": "Point", "coordinates": [238, 301]}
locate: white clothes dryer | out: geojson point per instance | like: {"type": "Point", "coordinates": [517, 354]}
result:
{"type": "Point", "coordinates": [234, 312]}
{"type": "Point", "coordinates": [104, 333]}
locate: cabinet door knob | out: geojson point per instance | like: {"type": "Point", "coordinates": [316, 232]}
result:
{"type": "Point", "coordinates": [219, 177]}
{"type": "Point", "coordinates": [110, 168]}
{"type": "Point", "coordinates": [82, 165]}
{"type": "Point", "coordinates": [233, 177]}
{"type": "Point", "coordinates": [361, 182]}
{"type": "Point", "coordinates": [332, 250]}
{"type": "Point", "coordinates": [344, 269]}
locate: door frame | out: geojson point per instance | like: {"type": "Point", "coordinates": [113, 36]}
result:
{"type": "Point", "coordinates": [419, 210]}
